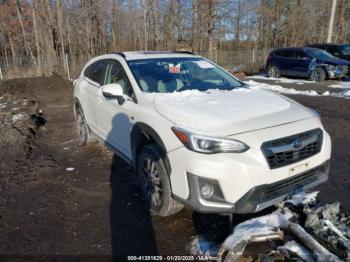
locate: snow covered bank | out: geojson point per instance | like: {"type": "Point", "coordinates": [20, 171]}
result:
{"type": "Point", "coordinates": [291, 91]}
{"type": "Point", "coordinates": [276, 88]}
{"type": "Point", "coordinates": [282, 79]}
{"type": "Point", "coordinates": [343, 84]}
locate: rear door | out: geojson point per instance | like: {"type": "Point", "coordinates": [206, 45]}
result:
{"type": "Point", "coordinates": [287, 61]}
{"type": "Point", "coordinates": [91, 84]}
{"type": "Point", "coordinates": [301, 62]}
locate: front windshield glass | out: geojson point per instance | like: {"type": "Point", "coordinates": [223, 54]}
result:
{"type": "Point", "coordinates": [167, 75]}
{"type": "Point", "coordinates": [319, 54]}
{"type": "Point", "coordinates": [345, 49]}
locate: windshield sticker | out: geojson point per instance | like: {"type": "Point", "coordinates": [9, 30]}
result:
{"type": "Point", "coordinates": [204, 64]}
{"type": "Point", "coordinates": [174, 69]}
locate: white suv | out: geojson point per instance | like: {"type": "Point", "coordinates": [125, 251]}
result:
{"type": "Point", "coordinates": [198, 136]}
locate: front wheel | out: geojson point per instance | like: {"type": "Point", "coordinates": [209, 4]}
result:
{"type": "Point", "coordinates": [318, 75]}
{"type": "Point", "coordinates": [273, 72]}
{"type": "Point", "coordinates": [154, 181]}
{"type": "Point", "coordinates": [82, 127]}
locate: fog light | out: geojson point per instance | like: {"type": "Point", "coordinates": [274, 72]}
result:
{"type": "Point", "coordinates": [207, 190]}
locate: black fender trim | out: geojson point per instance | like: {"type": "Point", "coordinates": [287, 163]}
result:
{"type": "Point", "coordinates": [142, 129]}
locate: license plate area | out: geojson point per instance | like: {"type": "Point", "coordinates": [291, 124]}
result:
{"type": "Point", "coordinates": [298, 169]}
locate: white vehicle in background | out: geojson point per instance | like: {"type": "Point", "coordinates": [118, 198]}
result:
{"type": "Point", "coordinates": [196, 135]}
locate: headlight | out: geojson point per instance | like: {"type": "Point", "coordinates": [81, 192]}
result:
{"type": "Point", "coordinates": [209, 145]}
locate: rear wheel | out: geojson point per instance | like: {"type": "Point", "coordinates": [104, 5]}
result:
{"type": "Point", "coordinates": [82, 127]}
{"type": "Point", "coordinates": [318, 75]}
{"type": "Point", "coordinates": [274, 72]}
{"type": "Point", "coordinates": [155, 182]}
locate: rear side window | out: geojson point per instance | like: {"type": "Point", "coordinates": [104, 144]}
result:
{"type": "Point", "coordinates": [299, 54]}
{"type": "Point", "coordinates": [288, 53]}
{"type": "Point", "coordinates": [95, 71]}
{"type": "Point", "coordinates": [277, 52]}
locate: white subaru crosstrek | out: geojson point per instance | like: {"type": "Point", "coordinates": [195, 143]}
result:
{"type": "Point", "coordinates": [198, 136]}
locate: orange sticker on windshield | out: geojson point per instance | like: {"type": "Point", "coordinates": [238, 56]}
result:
{"type": "Point", "coordinates": [174, 69]}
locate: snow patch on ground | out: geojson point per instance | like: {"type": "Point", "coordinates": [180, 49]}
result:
{"type": "Point", "coordinates": [291, 91]}
{"type": "Point", "coordinates": [3, 105]}
{"type": "Point", "coordinates": [263, 225]}
{"type": "Point", "coordinates": [276, 88]}
{"type": "Point", "coordinates": [17, 117]}
{"type": "Point", "coordinates": [302, 198]}
{"type": "Point", "coordinates": [346, 93]}
{"type": "Point", "coordinates": [282, 79]}
{"type": "Point", "coordinates": [344, 85]}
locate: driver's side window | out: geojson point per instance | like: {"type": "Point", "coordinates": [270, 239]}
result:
{"type": "Point", "coordinates": [115, 74]}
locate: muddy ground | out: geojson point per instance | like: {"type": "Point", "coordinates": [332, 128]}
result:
{"type": "Point", "coordinates": [59, 198]}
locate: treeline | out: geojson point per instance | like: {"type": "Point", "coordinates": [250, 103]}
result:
{"type": "Point", "coordinates": [40, 37]}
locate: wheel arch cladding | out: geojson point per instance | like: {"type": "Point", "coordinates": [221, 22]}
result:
{"type": "Point", "coordinates": [141, 135]}
{"type": "Point", "coordinates": [315, 65]}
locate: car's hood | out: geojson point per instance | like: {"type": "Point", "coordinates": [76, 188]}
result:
{"type": "Point", "coordinates": [228, 112]}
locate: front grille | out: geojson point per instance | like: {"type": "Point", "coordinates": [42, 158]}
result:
{"type": "Point", "coordinates": [288, 150]}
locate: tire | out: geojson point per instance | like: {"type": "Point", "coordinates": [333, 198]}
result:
{"type": "Point", "coordinates": [82, 127]}
{"type": "Point", "coordinates": [318, 75]}
{"type": "Point", "coordinates": [154, 181]}
{"type": "Point", "coordinates": [274, 72]}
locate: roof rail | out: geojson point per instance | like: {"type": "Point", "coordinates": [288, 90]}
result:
{"type": "Point", "coordinates": [155, 52]}
{"type": "Point", "coordinates": [120, 53]}
{"type": "Point", "coordinates": [184, 52]}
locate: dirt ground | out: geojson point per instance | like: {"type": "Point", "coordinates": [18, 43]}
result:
{"type": "Point", "coordinates": [59, 198]}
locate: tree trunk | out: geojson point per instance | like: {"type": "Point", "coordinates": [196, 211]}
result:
{"type": "Point", "coordinates": [60, 31]}
{"type": "Point", "coordinates": [27, 46]}
{"type": "Point", "coordinates": [38, 52]}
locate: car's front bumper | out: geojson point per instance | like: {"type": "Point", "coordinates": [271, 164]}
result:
{"type": "Point", "coordinates": [259, 197]}
{"type": "Point", "coordinates": [338, 72]}
{"type": "Point", "coordinates": [244, 177]}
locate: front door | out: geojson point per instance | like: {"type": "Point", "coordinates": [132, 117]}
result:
{"type": "Point", "coordinates": [115, 117]}
{"type": "Point", "coordinates": [91, 85]}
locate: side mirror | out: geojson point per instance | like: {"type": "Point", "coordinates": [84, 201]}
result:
{"type": "Point", "coordinates": [112, 90]}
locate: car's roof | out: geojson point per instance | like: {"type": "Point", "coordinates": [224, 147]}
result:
{"type": "Point", "coordinates": [328, 44]}
{"type": "Point", "coordinates": [286, 48]}
{"type": "Point", "coordinates": [153, 54]}
{"type": "Point", "coordinates": [293, 48]}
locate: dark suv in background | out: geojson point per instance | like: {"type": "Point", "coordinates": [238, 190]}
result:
{"type": "Point", "coordinates": [339, 50]}
{"type": "Point", "coordinates": [309, 62]}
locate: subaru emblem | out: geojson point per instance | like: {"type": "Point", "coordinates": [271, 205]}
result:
{"type": "Point", "coordinates": [297, 143]}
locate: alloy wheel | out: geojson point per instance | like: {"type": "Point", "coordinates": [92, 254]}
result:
{"type": "Point", "coordinates": [315, 76]}
{"type": "Point", "coordinates": [81, 127]}
{"type": "Point", "coordinates": [151, 182]}
{"type": "Point", "coordinates": [272, 72]}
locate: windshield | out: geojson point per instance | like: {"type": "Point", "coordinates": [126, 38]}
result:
{"type": "Point", "coordinates": [345, 49]}
{"type": "Point", "coordinates": [319, 54]}
{"type": "Point", "coordinates": [167, 75]}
